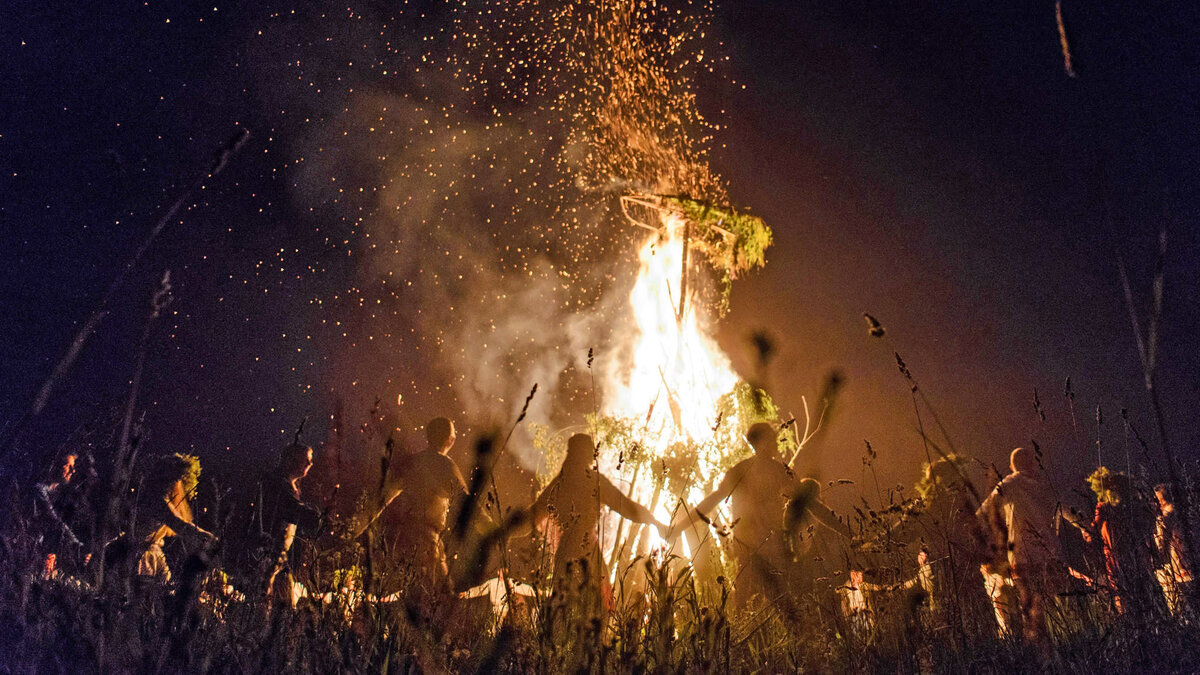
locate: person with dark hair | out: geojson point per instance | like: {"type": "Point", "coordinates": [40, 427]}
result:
{"type": "Point", "coordinates": [282, 515]}
{"type": "Point", "coordinates": [770, 510]}
{"type": "Point", "coordinates": [50, 496]}
{"type": "Point", "coordinates": [568, 510]}
{"type": "Point", "coordinates": [1022, 512]}
{"type": "Point", "coordinates": [164, 510]}
{"type": "Point", "coordinates": [1174, 573]}
{"type": "Point", "coordinates": [416, 508]}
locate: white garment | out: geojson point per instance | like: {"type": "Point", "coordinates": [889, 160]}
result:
{"type": "Point", "coordinates": [497, 593]}
{"type": "Point", "coordinates": [1026, 505]}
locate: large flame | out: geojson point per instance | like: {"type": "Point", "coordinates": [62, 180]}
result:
{"type": "Point", "coordinates": [671, 393]}
{"type": "Point", "coordinates": [679, 373]}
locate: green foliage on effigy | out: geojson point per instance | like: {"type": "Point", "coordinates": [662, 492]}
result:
{"type": "Point", "coordinates": [625, 446]}
{"type": "Point", "coordinates": [749, 404]}
{"type": "Point", "coordinates": [552, 448]}
{"type": "Point", "coordinates": [618, 435]}
{"type": "Point", "coordinates": [744, 251]}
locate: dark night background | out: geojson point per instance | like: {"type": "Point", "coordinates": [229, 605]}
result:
{"type": "Point", "coordinates": [927, 162]}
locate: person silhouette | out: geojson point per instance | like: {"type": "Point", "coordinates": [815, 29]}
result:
{"type": "Point", "coordinates": [1021, 512]}
{"type": "Point", "coordinates": [568, 509]}
{"type": "Point", "coordinates": [283, 515]}
{"type": "Point", "coordinates": [416, 509]}
{"type": "Point", "coordinates": [770, 507]}
{"type": "Point", "coordinates": [164, 510]}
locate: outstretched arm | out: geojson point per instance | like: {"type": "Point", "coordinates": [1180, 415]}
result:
{"type": "Point", "coordinates": [367, 518]}
{"type": "Point", "coordinates": [1080, 522]}
{"type": "Point", "coordinates": [458, 486]}
{"type": "Point", "coordinates": [44, 496]}
{"type": "Point", "coordinates": [460, 496]}
{"type": "Point", "coordinates": [1092, 531]}
{"type": "Point", "coordinates": [183, 526]}
{"type": "Point", "coordinates": [724, 489]}
{"type": "Point", "coordinates": [804, 501]}
{"type": "Point", "coordinates": [825, 516]}
{"type": "Point", "coordinates": [538, 511]}
{"type": "Point", "coordinates": [619, 502]}
{"type": "Point", "coordinates": [988, 511]}
{"type": "Point", "coordinates": [390, 487]}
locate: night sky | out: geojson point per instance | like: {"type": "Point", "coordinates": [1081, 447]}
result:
{"type": "Point", "coordinates": [930, 163]}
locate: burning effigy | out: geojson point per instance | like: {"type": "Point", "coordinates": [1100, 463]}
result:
{"type": "Point", "coordinates": [548, 216]}
{"type": "Point", "coordinates": [667, 410]}
{"type": "Point", "coordinates": [674, 415]}
{"type": "Point", "coordinates": [520, 240]}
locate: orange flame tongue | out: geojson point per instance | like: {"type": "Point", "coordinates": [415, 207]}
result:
{"type": "Point", "coordinates": [678, 372]}
{"type": "Point", "coordinates": [671, 393]}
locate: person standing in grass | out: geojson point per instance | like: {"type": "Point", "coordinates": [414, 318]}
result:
{"type": "Point", "coordinates": [1122, 525]}
{"type": "Point", "coordinates": [416, 509]}
{"type": "Point", "coordinates": [1022, 510]}
{"type": "Point", "coordinates": [1174, 573]}
{"type": "Point", "coordinates": [52, 504]}
{"type": "Point", "coordinates": [568, 510]}
{"type": "Point", "coordinates": [282, 515]}
{"type": "Point", "coordinates": [164, 510]}
{"type": "Point", "coordinates": [945, 527]}
{"type": "Point", "coordinates": [771, 509]}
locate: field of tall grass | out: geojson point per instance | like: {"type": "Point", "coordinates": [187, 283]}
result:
{"type": "Point", "coordinates": [92, 615]}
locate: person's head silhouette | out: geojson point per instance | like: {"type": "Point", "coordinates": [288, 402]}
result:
{"type": "Point", "coordinates": [581, 450]}
{"type": "Point", "coordinates": [764, 440]}
{"type": "Point", "coordinates": [1023, 460]}
{"type": "Point", "coordinates": [440, 434]}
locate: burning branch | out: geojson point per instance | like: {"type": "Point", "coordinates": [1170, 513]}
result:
{"type": "Point", "coordinates": [733, 242]}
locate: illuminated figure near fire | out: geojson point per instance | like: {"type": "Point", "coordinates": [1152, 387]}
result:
{"type": "Point", "coordinates": [947, 531]}
{"type": "Point", "coordinates": [164, 510]}
{"type": "Point", "coordinates": [770, 506]}
{"type": "Point", "coordinates": [569, 511]}
{"type": "Point", "coordinates": [282, 515]}
{"type": "Point", "coordinates": [1123, 525]}
{"type": "Point", "coordinates": [1175, 573]}
{"type": "Point", "coordinates": [1021, 512]}
{"type": "Point", "coordinates": [417, 508]}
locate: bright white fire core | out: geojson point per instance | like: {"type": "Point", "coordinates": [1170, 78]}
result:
{"type": "Point", "coordinates": [678, 372]}
{"type": "Point", "coordinates": [670, 393]}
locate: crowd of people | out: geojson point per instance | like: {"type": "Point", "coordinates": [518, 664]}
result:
{"type": "Point", "coordinates": [995, 558]}
{"type": "Point", "coordinates": [1014, 539]}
